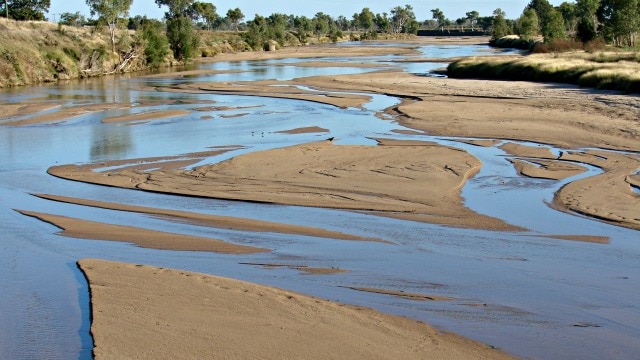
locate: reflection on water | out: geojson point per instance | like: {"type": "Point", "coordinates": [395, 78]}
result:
{"type": "Point", "coordinates": [523, 292]}
{"type": "Point", "coordinates": [110, 142]}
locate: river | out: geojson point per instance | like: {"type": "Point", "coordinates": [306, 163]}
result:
{"type": "Point", "coordinates": [528, 294]}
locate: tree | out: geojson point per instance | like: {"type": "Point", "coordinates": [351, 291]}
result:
{"type": "Point", "coordinates": [542, 9]}
{"type": "Point", "coordinates": [500, 27]}
{"type": "Point", "coordinates": [72, 19]}
{"type": "Point", "coordinates": [553, 28]}
{"type": "Point", "coordinates": [383, 23]}
{"type": "Point", "coordinates": [587, 11]}
{"type": "Point", "coordinates": [156, 43]}
{"type": "Point", "coordinates": [528, 24]}
{"type": "Point", "coordinates": [323, 24]}
{"type": "Point", "coordinates": [26, 9]}
{"type": "Point", "coordinates": [365, 19]}
{"type": "Point", "coordinates": [235, 16]}
{"type": "Point", "coordinates": [472, 17]}
{"type": "Point", "coordinates": [438, 16]}
{"type": "Point", "coordinates": [110, 12]}
{"type": "Point", "coordinates": [569, 13]}
{"type": "Point", "coordinates": [180, 32]}
{"type": "Point", "coordinates": [205, 11]}
{"type": "Point", "coordinates": [621, 20]}
{"type": "Point", "coordinates": [401, 18]}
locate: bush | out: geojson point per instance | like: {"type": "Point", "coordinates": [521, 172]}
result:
{"type": "Point", "coordinates": [556, 46]}
{"type": "Point", "coordinates": [156, 43]}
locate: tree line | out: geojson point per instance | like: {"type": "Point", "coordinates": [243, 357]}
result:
{"type": "Point", "coordinates": [615, 21]}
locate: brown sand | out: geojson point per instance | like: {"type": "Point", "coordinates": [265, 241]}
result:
{"type": "Point", "coordinates": [564, 116]}
{"type": "Point", "coordinates": [222, 222]}
{"type": "Point", "coordinates": [608, 196]}
{"type": "Point", "coordinates": [268, 88]}
{"type": "Point", "coordinates": [144, 312]}
{"type": "Point", "coordinates": [402, 294]}
{"type": "Point", "coordinates": [583, 238]}
{"type": "Point", "coordinates": [146, 116]}
{"type": "Point", "coordinates": [65, 113]}
{"type": "Point", "coordinates": [410, 180]}
{"type": "Point", "coordinates": [83, 229]}
{"type": "Point", "coordinates": [305, 130]}
{"type": "Point", "coordinates": [302, 268]}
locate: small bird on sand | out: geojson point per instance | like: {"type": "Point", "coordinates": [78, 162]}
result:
{"type": "Point", "coordinates": [330, 139]}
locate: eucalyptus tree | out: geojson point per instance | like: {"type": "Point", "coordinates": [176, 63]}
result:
{"type": "Point", "coordinates": [542, 9]}
{"type": "Point", "coordinates": [588, 23]}
{"type": "Point", "coordinates": [569, 13]}
{"type": "Point", "coordinates": [180, 32]}
{"type": "Point", "coordinates": [402, 18]}
{"type": "Point", "coordinates": [500, 27]}
{"type": "Point", "coordinates": [554, 28]}
{"type": "Point", "coordinates": [72, 19]}
{"type": "Point", "coordinates": [472, 17]}
{"type": "Point", "coordinates": [528, 24]}
{"type": "Point", "coordinates": [110, 13]}
{"type": "Point", "coordinates": [205, 11]}
{"type": "Point", "coordinates": [366, 19]}
{"type": "Point", "coordinates": [26, 9]}
{"type": "Point", "coordinates": [621, 20]}
{"type": "Point", "coordinates": [323, 24]}
{"type": "Point", "coordinates": [383, 23]}
{"type": "Point", "coordinates": [235, 16]}
{"type": "Point", "coordinates": [438, 15]}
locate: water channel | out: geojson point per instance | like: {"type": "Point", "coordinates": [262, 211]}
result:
{"type": "Point", "coordinates": [528, 294]}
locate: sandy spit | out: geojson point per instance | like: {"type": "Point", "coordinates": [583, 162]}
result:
{"type": "Point", "coordinates": [222, 222]}
{"type": "Point", "coordinates": [139, 312]}
{"type": "Point", "coordinates": [146, 116]}
{"type": "Point", "coordinates": [83, 229]}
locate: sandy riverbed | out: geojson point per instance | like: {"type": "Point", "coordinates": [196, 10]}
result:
{"type": "Point", "coordinates": [362, 178]}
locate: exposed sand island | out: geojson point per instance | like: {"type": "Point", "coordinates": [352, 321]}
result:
{"type": "Point", "coordinates": [141, 312]}
{"type": "Point", "coordinates": [406, 179]}
{"type": "Point", "coordinates": [565, 116]}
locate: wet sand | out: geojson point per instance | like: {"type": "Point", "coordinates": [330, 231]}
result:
{"type": "Point", "coordinates": [83, 229]}
{"type": "Point", "coordinates": [139, 312]}
{"type": "Point", "coordinates": [222, 222]}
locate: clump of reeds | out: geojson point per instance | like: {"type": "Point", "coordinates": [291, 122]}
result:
{"type": "Point", "coordinates": [614, 71]}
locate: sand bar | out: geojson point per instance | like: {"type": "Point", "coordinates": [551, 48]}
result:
{"type": "Point", "coordinates": [66, 113]}
{"type": "Point", "coordinates": [83, 229]}
{"type": "Point", "coordinates": [608, 196]}
{"type": "Point", "coordinates": [267, 88]}
{"type": "Point", "coordinates": [222, 222]}
{"type": "Point", "coordinates": [146, 116]}
{"type": "Point", "coordinates": [412, 180]}
{"type": "Point", "coordinates": [146, 312]}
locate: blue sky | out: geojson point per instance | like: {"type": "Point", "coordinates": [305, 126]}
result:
{"type": "Point", "coordinates": [452, 9]}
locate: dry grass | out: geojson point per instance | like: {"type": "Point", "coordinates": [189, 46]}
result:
{"type": "Point", "coordinates": [614, 70]}
{"type": "Point", "coordinates": [39, 51]}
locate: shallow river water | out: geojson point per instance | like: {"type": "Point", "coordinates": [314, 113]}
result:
{"type": "Point", "coordinates": [528, 294]}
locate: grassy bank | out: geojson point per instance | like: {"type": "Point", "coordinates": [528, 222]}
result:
{"type": "Point", "coordinates": [605, 70]}
{"type": "Point", "coordinates": [34, 52]}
